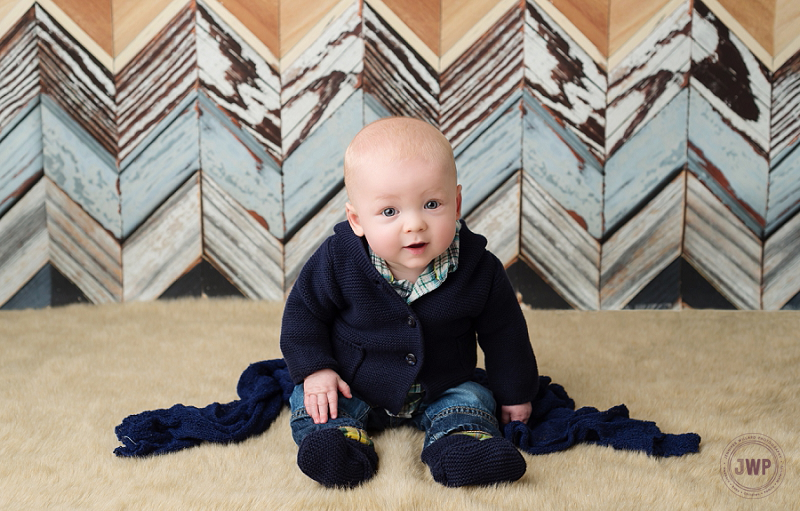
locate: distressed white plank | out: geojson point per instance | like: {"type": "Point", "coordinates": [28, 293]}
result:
{"type": "Point", "coordinates": [24, 249]}
{"type": "Point", "coordinates": [560, 249]}
{"type": "Point", "coordinates": [722, 248]}
{"type": "Point", "coordinates": [643, 247]}
{"type": "Point", "coordinates": [168, 244]}
{"type": "Point", "coordinates": [240, 246]}
{"type": "Point", "coordinates": [82, 250]}
{"type": "Point", "coordinates": [497, 219]}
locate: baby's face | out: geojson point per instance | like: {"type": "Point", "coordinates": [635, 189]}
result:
{"type": "Point", "coordinates": [407, 210]}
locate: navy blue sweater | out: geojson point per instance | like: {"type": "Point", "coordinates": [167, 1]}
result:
{"type": "Point", "coordinates": [342, 315]}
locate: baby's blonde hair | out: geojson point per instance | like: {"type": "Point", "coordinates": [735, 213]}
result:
{"type": "Point", "coordinates": [395, 139]}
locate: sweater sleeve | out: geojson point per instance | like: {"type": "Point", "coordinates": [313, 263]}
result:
{"type": "Point", "coordinates": [503, 337]}
{"type": "Point", "coordinates": [308, 317]}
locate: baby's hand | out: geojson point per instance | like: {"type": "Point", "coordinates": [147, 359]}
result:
{"type": "Point", "coordinates": [510, 413]}
{"type": "Point", "coordinates": [321, 393]}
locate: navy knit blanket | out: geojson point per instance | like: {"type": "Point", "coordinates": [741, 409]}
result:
{"type": "Point", "coordinates": [265, 387]}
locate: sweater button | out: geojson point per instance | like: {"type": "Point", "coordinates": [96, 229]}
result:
{"type": "Point", "coordinates": [412, 322]}
{"type": "Point", "coordinates": [411, 359]}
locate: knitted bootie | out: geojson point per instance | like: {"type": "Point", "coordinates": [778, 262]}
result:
{"type": "Point", "coordinates": [461, 460]}
{"type": "Point", "coordinates": [331, 459]}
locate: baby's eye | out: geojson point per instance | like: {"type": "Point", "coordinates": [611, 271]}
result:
{"type": "Point", "coordinates": [432, 204]}
{"type": "Point", "coordinates": [389, 212]}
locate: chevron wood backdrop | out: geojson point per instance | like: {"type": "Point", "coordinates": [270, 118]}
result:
{"type": "Point", "coordinates": [616, 153]}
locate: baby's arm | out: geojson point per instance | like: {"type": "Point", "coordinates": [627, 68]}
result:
{"type": "Point", "coordinates": [510, 413]}
{"type": "Point", "coordinates": [321, 393]}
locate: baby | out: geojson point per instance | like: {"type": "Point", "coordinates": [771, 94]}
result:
{"type": "Point", "coordinates": [380, 328]}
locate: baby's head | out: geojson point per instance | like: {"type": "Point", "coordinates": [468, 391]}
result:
{"type": "Point", "coordinates": [404, 195]}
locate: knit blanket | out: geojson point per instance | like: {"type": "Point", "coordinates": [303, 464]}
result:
{"type": "Point", "coordinates": [264, 388]}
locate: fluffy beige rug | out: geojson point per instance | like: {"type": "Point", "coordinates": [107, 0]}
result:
{"type": "Point", "coordinates": [68, 376]}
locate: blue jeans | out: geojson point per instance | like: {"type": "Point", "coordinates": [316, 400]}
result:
{"type": "Point", "coordinates": [466, 407]}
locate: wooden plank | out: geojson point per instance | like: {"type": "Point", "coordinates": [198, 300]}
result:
{"type": "Point", "coordinates": [24, 250]}
{"type": "Point", "coordinates": [82, 250]}
{"type": "Point", "coordinates": [562, 165]}
{"type": "Point", "coordinates": [138, 19]}
{"type": "Point", "coordinates": [152, 86]}
{"type": "Point", "coordinates": [640, 250]}
{"type": "Point", "coordinates": [396, 76]}
{"type": "Point", "coordinates": [311, 235]}
{"type": "Point", "coordinates": [722, 248]}
{"type": "Point", "coordinates": [625, 17]}
{"type": "Point", "coordinates": [405, 33]}
{"type": "Point", "coordinates": [591, 17]}
{"type": "Point", "coordinates": [785, 123]}
{"type": "Point", "coordinates": [757, 17]}
{"type": "Point", "coordinates": [782, 265]}
{"type": "Point", "coordinates": [238, 245]}
{"type": "Point", "coordinates": [239, 80]}
{"type": "Point", "coordinates": [163, 166]}
{"type": "Point", "coordinates": [262, 18]}
{"type": "Point", "coordinates": [565, 79]}
{"type": "Point", "coordinates": [75, 80]}
{"type": "Point", "coordinates": [648, 78]}
{"type": "Point", "coordinates": [241, 166]}
{"type": "Point", "coordinates": [19, 69]}
{"type": "Point", "coordinates": [168, 244]}
{"type": "Point", "coordinates": [423, 18]}
{"type": "Point", "coordinates": [483, 79]}
{"type": "Point", "coordinates": [496, 219]}
{"type": "Point", "coordinates": [316, 170]}
{"type": "Point", "coordinates": [491, 155]}
{"type": "Point", "coordinates": [646, 161]}
{"type": "Point", "coordinates": [20, 156]}
{"type": "Point", "coordinates": [787, 31]}
{"type": "Point", "coordinates": [297, 18]}
{"type": "Point", "coordinates": [559, 248]}
{"type": "Point", "coordinates": [321, 79]}
{"type": "Point", "coordinates": [730, 77]}
{"type": "Point", "coordinates": [94, 17]}
{"type": "Point", "coordinates": [459, 18]}
{"type": "Point", "coordinates": [727, 161]}
{"type": "Point", "coordinates": [80, 166]}
{"type": "Point", "coordinates": [784, 190]}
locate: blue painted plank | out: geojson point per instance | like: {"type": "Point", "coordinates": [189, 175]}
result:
{"type": "Point", "coordinates": [315, 170]}
{"type": "Point", "coordinates": [20, 155]}
{"type": "Point", "coordinates": [563, 166]}
{"type": "Point", "coordinates": [490, 155]}
{"type": "Point", "coordinates": [160, 169]}
{"type": "Point", "coordinates": [727, 163]}
{"type": "Point", "coordinates": [645, 161]}
{"type": "Point", "coordinates": [80, 166]}
{"type": "Point", "coordinates": [241, 166]}
{"type": "Point", "coordinates": [784, 189]}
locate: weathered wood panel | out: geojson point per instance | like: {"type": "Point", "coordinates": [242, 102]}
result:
{"type": "Point", "coordinates": [559, 248]}
{"type": "Point", "coordinates": [396, 76]}
{"type": "Point", "coordinates": [645, 246]}
{"type": "Point", "coordinates": [721, 247]}
{"type": "Point", "coordinates": [240, 246]}
{"type": "Point", "coordinates": [321, 79]}
{"type": "Point", "coordinates": [168, 244]}
{"type": "Point", "coordinates": [154, 83]}
{"type": "Point", "coordinates": [24, 249]}
{"type": "Point", "coordinates": [82, 250]}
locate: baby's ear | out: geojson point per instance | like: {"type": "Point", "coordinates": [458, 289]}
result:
{"type": "Point", "coordinates": [458, 202]}
{"type": "Point", "coordinates": [352, 218]}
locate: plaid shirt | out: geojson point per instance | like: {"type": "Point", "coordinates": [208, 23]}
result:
{"type": "Point", "coordinates": [433, 277]}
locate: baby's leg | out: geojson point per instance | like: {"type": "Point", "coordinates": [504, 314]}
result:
{"type": "Point", "coordinates": [338, 452]}
{"type": "Point", "coordinates": [463, 443]}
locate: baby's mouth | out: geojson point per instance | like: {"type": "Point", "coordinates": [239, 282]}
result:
{"type": "Point", "coordinates": [415, 246]}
